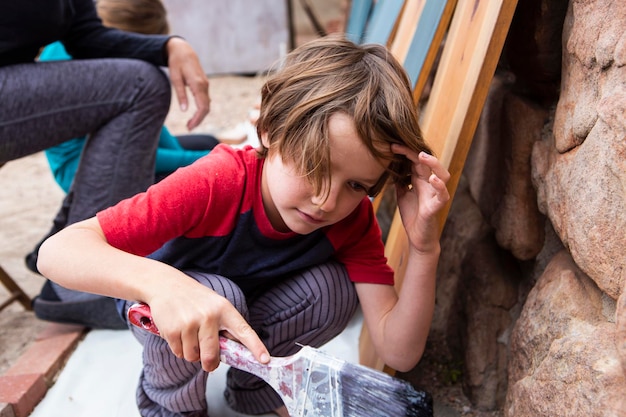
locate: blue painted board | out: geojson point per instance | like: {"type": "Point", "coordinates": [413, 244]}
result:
{"type": "Point", "coordinates": [382, 21]}
{"type": "Point", "coordinates": [423, 37]}
{"type": "Point", "coordinates": [360, 11]}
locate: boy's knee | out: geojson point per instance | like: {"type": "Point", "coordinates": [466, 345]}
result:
{"type": "Point", "coordinates": [224, 287]}
{"type": "Point", "coordinates": [337, 297]}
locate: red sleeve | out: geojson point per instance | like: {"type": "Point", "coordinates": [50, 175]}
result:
{"type": "Point", "coordinates": [183, 204]}
{"type": "Point", "coordinates": [358, 242]}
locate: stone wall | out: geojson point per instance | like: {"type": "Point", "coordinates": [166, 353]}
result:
{"type": "Point", "coordinates": [531, 281]}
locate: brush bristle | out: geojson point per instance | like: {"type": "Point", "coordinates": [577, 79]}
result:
{"type": "Point", "coordinates": [369, 393]}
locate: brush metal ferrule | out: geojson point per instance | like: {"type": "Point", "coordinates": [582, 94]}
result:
{"type": "Point", "coordinates": [321, 393]}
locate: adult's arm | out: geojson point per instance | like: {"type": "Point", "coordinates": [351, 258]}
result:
{"type": "Point", "coordinates": [87, 37]}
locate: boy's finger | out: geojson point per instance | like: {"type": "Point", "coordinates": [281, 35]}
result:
{"type": "Point", "coordinates": [435, 165]}
{"type": "Point", "coordinates": [209, 347]}
{"type": "Point", "coordinates": [443, 195]}
{"type": "Point", "coordinates": [248, 337]}
{"type": "Point", "coordinates": [175, 344]}
{"type": "Point", "coordinates": [191, 344]}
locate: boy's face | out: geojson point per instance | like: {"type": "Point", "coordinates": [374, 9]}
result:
{"type": "Point", "coordinates": [289, 198]}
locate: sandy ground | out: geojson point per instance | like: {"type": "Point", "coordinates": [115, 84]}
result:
{"type": "Point", "coordinates": [28, 201]}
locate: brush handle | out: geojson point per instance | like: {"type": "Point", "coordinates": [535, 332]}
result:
{"type": "Point", "coordinates": [231, 353]}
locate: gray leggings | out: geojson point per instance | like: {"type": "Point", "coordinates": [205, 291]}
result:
{"type": "Point", "coordinates": [309, 308]}
{"type": "Point", "coordinates": [120, 103]}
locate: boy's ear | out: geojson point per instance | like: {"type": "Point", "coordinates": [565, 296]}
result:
{"type": "Point", "coordinates": [265, 140]}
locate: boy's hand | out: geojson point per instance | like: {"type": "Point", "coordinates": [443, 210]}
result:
{"type": "Point", "coordinates": [185, 71]}
{"type": "Point", "coordinates": [191, 324]}
{"type": "Point", "coordinates": [426, 196]}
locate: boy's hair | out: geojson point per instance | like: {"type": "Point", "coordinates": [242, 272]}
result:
{"type": "Point", "coordinates": [140, 16]}
{"type": "Point", "coordinates": [331, 75]}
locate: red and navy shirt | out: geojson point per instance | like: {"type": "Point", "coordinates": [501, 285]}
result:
{"type": "Point", "coordinates": [209, 217]}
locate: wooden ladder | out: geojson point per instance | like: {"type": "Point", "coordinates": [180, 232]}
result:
{"type": "Point", "coordinates": [474, 32]}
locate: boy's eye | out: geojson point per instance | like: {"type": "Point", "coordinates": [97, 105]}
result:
{"type": "Point", "coordinates": [357, 187]}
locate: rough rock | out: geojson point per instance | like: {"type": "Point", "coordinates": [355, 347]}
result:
{"type": "Point", "coordinates": [498, 168]}
{"type": "Point", "coordinates": [620, 338]}
{"type": "Point", "coordinates": [518, 222]}
{"type": "Point", "coordinates": [620, 321]}
{"type": "Point", "coordinates": [465, 227]}
{"type": "Point", "coordinates": [490, 289]}
{"type": "Point", "coordinates": [533, 48]}
{"type": "Point", "coordinates": [564, 359]}
{"type": "Point", "coordinates": [580, 172]}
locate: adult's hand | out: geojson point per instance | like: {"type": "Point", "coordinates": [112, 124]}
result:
{"type": "Point", "coordinates": [185, 71]}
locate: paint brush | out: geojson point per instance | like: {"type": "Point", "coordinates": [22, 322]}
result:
{"type": "Point", "coordinates": [312, 383]}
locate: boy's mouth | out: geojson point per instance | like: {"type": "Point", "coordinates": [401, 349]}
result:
{"type": "Point", "coordinates": [311, 218]}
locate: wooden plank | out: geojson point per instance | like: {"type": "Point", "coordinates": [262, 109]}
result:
{"type": "Point", "coordinates": [472, 50]}
{"type": "Point", "coordinates": [468, 62]}
{"type": "Point", "coordinates": [424, 33]}
{"type": "Point", "coordinates": [407, 24]}
{"type": "Point", "coordinates": [396, 247]}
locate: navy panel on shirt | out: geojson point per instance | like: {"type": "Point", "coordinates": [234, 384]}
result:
{"type": "Point", "coordinates": [246, 256]}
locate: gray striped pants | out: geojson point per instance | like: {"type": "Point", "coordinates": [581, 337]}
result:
{"type": "Point", "coordinates": [309, 308]}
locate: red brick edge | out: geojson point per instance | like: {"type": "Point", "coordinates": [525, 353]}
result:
{"type": "Point", "coordinates": [25, 383]}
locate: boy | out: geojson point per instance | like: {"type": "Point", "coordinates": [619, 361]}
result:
{"type": "Point", "coordinates": [274, 246]}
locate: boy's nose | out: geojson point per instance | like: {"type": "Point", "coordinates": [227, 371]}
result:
{"type": "Point", "coordinates": [326, 202]}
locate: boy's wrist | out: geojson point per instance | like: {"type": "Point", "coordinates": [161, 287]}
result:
{"type": "Point", "coordinates": [429, 250]}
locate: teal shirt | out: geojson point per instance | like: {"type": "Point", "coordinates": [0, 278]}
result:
{"type": "Point", "coordinates": [63, 158]}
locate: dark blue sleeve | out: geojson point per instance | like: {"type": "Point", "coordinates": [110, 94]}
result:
{"type": "Point", "coordinates": [88, 38]}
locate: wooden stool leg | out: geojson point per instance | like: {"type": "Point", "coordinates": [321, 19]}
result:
{"type": "Point", "coordinates": [16, 293]}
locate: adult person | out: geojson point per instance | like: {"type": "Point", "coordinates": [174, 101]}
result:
{"type": "Point", "coordinates": [112, 91]}
{"type": "Point", "coordinates": [140, 16]}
